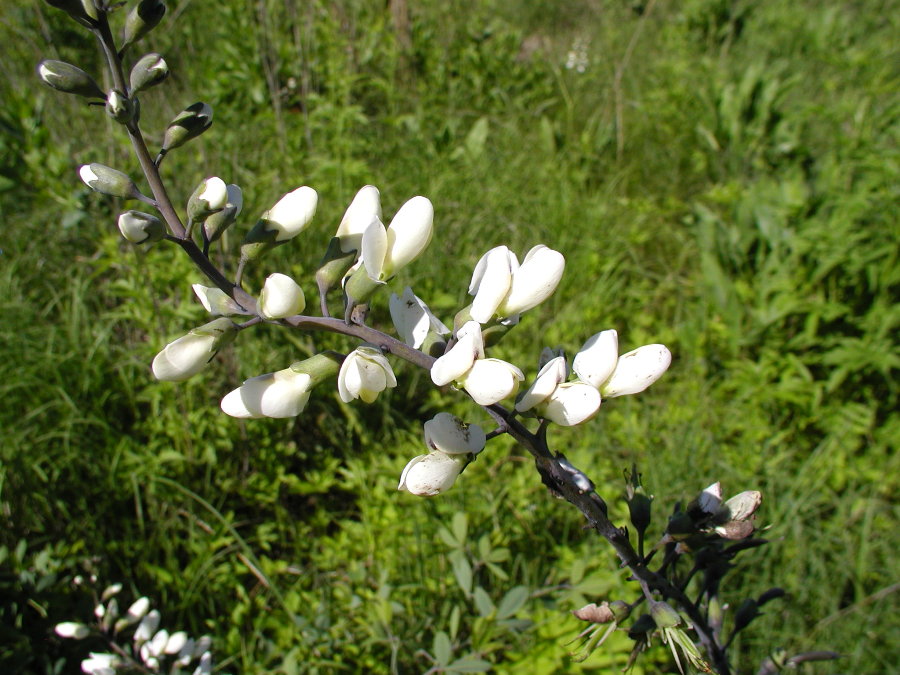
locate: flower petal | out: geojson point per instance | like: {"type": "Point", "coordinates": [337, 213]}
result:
{"type": "Point", "coordinates": [572, 403]}
{"type": "Point", "coordinates": [492, 380]}
{"type": "Point", "coordinates": [637, 370]}
{"type": "Point", "coordinates": [597, 358]}
{"type": "Point", "coordinates": [365, 207]}
{"type": "Point", "coordinates": [546, 382]}
{"type": "Point", "coordinates": [449, 434]}
{"type": "Point", "coordinates": [534, 281]}
{"type": "Point", "coordinates": [374, 249]}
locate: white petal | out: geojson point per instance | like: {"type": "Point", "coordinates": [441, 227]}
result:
{"type": "Point", "coordinates": [431, 474]}
{"type": "Point", "coordinates": [534, 281]}
{"type": "Point", "coordinates": [550, 376]}
{"type": "Point", "coordinates": [449, 434]}
{"type": "Point", "coordinates": [293, 213]}
{"type": "Point", "coordinates": [596, 360]}
{"type": "Point", "coordinates": [492, 280]}
{"type": "Point", "coordinates": [572, 403]}
{"type": "Point", "coordinates": [711, 498]}
{"type": "Point", "coordinates": [637, 370]}
{"type": "Point", "coordinates": [409, 233]}
{"type": "Point", "coordinates": [744, 505]}
{"type": "Point", "coordinates": [374, 249]}
{"type": "Point", "coordinates": [183, 358]}
{"type": "Point", "coordinates": [214, 193]}
{"type": "Point", "coordinates": [71, 629]}
{"type": "Point", "coordinates": [281, 394]}
{"type": "Point", "coordinates": [453, 365]}
{"type": "Point", "coordinates": [473, 329]}
{"type": "Point", "coordinates": [176, 642]}
{"type": "Point", "coordinates": [281, 297]}
{"type": "Point", "coordinates": [412, 318]}
{"type": "Point", "coordinates": [364, 374]}
{"type": "Point", "coordinates": [216, 301]}
{"type": "Point", "coordinates": [235, 198]}
{"type": "Point", "coordinates": [365, 207]}
{"type": "Point", "coordinates": [492, 380]}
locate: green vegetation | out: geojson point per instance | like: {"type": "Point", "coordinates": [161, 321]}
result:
{"type": "Point", "coordinates": [730, 190]}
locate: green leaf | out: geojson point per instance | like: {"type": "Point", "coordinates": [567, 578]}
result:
{"type": "Point", "coordinates": [512, 602]}
{"type": "Point", "coordinates": [455, 615]}
{"type": "Point", "coordinates": [460, 526]}
{"type": "Point", "coordinates": [469, 664]}
{"type": "Point", "coordinates": [448, 538]}
{"type": "Point", "coordinates": [483, 602]}
{"type": "Point", "coordinates": [442, 648]}
{"type": "Point", "coordinates": [462, 570]}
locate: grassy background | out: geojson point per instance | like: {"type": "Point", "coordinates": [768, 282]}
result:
{"type": "Point", "coordinates": [722, 177]}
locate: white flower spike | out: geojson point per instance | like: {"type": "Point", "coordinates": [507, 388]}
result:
{"type": "Point", "coordinates": [281, 297]}
{"type": "Point", "coordinates": [364, 374]}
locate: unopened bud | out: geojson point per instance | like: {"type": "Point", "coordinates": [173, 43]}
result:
{"type": "Point", "coordinates": [150, 70]}
{"type": "Point", "coordinates": [216, 223]}
{"type": "Point", "coordinates": [335, 264]}
{"type": "Point", "coordinates": [67, 78]}
{"type": "Point", "coordinates": [121, 108]}
{"type": "Point", "coordinates": [83, 11]}
{"type": "Point", "coordinates": [621, 610]}
{"type": "Point", "coordinates": [188, 124]}
{"type": "Point", "coordinates": [143, 18]}
{"type": "Point", "coordinates": [680, 525]}
{"type": "Point", "coordinates": [209, 197]}
{"type": "Point", "coordinates": [664, 616]}
{"type": "Point", "coordinates": [595, 613]}
{"type": "Point", "coordinates": [280, 297]}
{"type": "Point", "coordinates": [141, 228]}
{"type": "Point", "coordinates": [108, 181]}
{"type": "Point", "coordinates": [71, 629]}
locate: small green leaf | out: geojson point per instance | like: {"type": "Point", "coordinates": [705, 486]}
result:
{"type": "Point", "coordinates": [512, 602]}
{"type": "Point", "coordinates": [442, 648]}
{"type": "Point", "coordinates": [462, 570]}
{"type": "Point", "coordinates": [497, 571]}
{"type": "Point", "coordinates": [448, 538]}
{"type": "Point", "coordinates": [483, 602]}
{"type": "Point", "coordinates": [455, 615]}
{"type": "Point", "coordinates": [460, 526]}
{"type": "Point", "coordinates": [469, 664]}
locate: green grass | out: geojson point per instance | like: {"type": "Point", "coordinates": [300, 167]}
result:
{"type": "Point", "coordinates": [748, 221]}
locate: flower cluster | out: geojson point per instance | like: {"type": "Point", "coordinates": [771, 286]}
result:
{"type": "Point", "coordinates": [150, 649]}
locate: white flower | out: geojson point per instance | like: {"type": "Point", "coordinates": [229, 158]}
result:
{"type": "Point", "coordinates": [571, 403]}
{"type": "Point", "coordinates": [597, 364]}
{"type": "Point", "coordinates": [157, 643]}
{"type": "Point", "coordinates": [549, 377]}
{"type": "Point", "coordinates": [292, 214]}
{"type": "Point", "coordinates": [281, 394]}
{"type": "Point", "coordinates": [596, 360]}
{"type": "Point", "coordinates": [364, 374]}
{"type": "Point", "coordinates": [363, 210]}
{"type": "Point", "coordinates": [280, 297]}
{"type": "Point", "coordinates": [452, 436]}
{"type": "Point", "coordinates": [71, 629]}
{"type": "Point", "coordinates": [385, 251]}
{"type": "Point", "coordinates": [487, 380]}
{"type": "Point", "coordinates": [140, 228]}
{"type": "Point", "coordinates": [491, 380]}
{"type": "Point", "coordinates": [188, 355]}
{"type": "Point", "coordinates": [147, 627]}
{"type": "Point", "coordinates": [100, 664]}
{"type": "Point", "coordinates": [138, 610]}
{"type": "Point", "coordinates": [216, 301]}
{"type": "Point", "coordinates": [412, 318]}
{"type": "Point", "coordinates": [637, 370]}
{"type": "Point", "coordinates": [504, 288]}
{"type": "Point", "coordinates": [176, 642]}
{"type": "Point", "coordinates": [431, 474]}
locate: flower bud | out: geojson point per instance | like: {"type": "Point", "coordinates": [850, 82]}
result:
{"type": "Point", "coordinates": [551, 375]}
{"type": "Point", "coordinates": [208, 198]}
{"type": "Point", "coordinates": [67, 78]}
{"type": "Point", "coordinates": [188, 355]}
{"type": "Point", "coordinates": [176, 642]}
{"type": "Point", "coordinates": [664, 616]}
{"type": "Point", "coordinates": [490, 381]}
{"type": "Point", "coordinates": [215, 224]}
{"type": "Point", "coordinates": [452, 436]}
{"type": "Point", "coordinates": [108, 181]}
{"type": "Point", "coordinates": [596, 360]}
{"type": "Point", "coordinates": [100, 664]}
{"type": "Point", "coordinates": [534, 281]}
{"type": "Point", "coordinates": [365, 207]}
{"type": "Point", "coordinates": [431, 474]}
{"type": "Point", "coordinates": [595, 613]}
{"type": "Point", "coordinates": [386, 251]}
{"type": "Point", "coordinates": [150, 70]}
{"type": "Point", "coordinates": [637, 370]}
{"type": "Point", "coordinates": [147, 627]}
{"type": "Point", "coordinates": [110, 591]}
{"type": "Point", "coordinates": [188, 124]}
{"type": "Point", "coordinates": [138, 610]}
{"type": "Point", "coordinates": [121, 108]}
{"type": "Point", "coordinates": [281, 297]}
{"type": "Point", "coordinates": [365, 373]}
{"type": "Point", "coordinates": [571, 403]}
{"type": "Point", "coordinates": [412, 318]}
{"type": "Point", "coordinates": [216, 301]}
{"type": "Point", "coordinates": [83, 11]}
{"type": "Point", "coordinates": [71, 629]}
{"type": "Point", "coordinates": [143, 18]}
{"type": "Point", "coordinates": [141, 228]}
{"type": "Point", "coordinates": [289, 217]}
{"type": "Point", "coordinates": [744, 505]}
